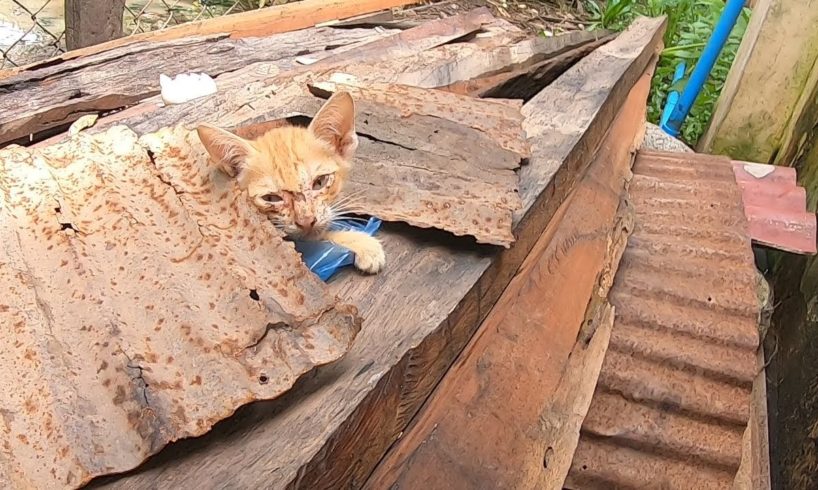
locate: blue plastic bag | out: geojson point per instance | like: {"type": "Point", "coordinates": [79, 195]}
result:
{"type": "Point", "coordinates": [325, 258]}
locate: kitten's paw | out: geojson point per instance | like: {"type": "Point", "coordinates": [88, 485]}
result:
{"type": "Point", "coordinates": [370, 256]}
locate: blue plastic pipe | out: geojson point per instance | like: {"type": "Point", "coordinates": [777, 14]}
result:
{"type": "Point", "coordinates": [672, 95]}
{"type": "Point", "coordinates": [704, 66]}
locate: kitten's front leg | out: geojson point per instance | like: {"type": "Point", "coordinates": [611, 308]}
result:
{"type": "Point", "coordinates": [369, 254]}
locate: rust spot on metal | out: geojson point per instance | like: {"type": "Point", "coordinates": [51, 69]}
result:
{"type": "Point", "coordinates": [119, 396]}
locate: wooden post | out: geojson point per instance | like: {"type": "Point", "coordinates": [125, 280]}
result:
{"type": "Point", "coordinates": [89, 22]}
{"type": "Point", "coordinates": [762, 100]}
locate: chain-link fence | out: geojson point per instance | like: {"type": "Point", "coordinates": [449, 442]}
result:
{"type": "Point", "coordinates": [32, 30]}
{"type": "Point", "coordinates": [29, 31]}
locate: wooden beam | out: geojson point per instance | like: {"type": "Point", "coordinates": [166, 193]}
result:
{"type": "Point", "coordinates": [54, 96]}
{"type": "Point", "coordinates": [525, 79]}
{"type": "Point", "coordinates": [57, 95]}
{"type": "Point", "coordinates": [508, 413]}
{"type": "Point", "coordinates": [150, 115]}
{"type": "Point", "coordinates": [332, 429]}
{"type": "Point", "coordinates": [760, 99]}
{"type": "Point", "coordinates": [90, 22]}
{"type": "Point", "coordinates": [405, 54]}
{"type": "Point", "coordinates": [256, 23]}
{"type": "Point", "coordinates": [399, 59]}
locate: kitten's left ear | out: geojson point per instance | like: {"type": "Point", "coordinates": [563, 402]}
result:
{"type": "Point", "coordinates": [335, 124]}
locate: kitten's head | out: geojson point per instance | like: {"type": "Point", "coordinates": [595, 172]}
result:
{"type": "Point", "coordinates": [292, 174]}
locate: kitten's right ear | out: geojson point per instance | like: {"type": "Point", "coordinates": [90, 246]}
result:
{"type": "Point", "coordinates": [335, 124]}
{"type": "Point", "coordinates": [228, 150]}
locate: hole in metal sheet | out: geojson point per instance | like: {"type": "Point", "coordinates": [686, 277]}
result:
{"type": "Point", "coordinates": [549, 454]}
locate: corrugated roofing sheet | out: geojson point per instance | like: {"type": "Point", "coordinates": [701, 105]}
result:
{"type": "Point", "coordinates": [776, 208]}
{"type": "Point", "coordinates": [673, 397]}
{"type": "Point", "coordinates": [143, 300]}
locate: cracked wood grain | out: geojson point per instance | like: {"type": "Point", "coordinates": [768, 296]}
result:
{"type": "Point", "coordinates": [127, 268]}
{"type": "Point", "coordinates": [246, 65]}
{"type": "Point", "coordinates": [254, 23]}
{"type": "Point", "coordinates": [422, 56]}
{"type": "Point", "coordinates": [53, 96]}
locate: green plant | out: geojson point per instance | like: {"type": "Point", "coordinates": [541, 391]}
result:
{"type": "Point", "coordinates": [613, 14]}
{"type": "Point", "coordinates": [689, 25]}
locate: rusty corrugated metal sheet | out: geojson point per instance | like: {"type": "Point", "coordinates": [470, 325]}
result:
{"type": "Point", "coordinates": [673, 397]}
{"type": "Point", "coordinates": [142, 301]}
{"type": "Point", "coordinates": [500, 120]}
{"type": "Point", "coordinates": [411, 164]}
{"type": "Point", "coordinates": [776, 207]}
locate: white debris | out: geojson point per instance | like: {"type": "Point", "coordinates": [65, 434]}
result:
{"type": "Point", "coordinates": [84, 122]}
{"type": "Point", "coordinates": [305, 60]}
{"type": "Point", "coordinates": [186, 87]}
{"type": "Point", "coordinates": [759, 170]}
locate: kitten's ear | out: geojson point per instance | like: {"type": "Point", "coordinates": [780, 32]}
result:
{"type": "Point", "coordinates": [227, 149]}
{"type": "Point", "coordinates": [335, 124]}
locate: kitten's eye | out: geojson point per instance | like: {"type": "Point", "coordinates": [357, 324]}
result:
{"type": "Point", "coordinates": [272, 198]}
{"type": "Point", "coordinates": [321, 181]}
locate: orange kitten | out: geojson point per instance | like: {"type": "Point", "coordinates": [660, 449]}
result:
{"type": "Point", "coordinates": [294, 175]}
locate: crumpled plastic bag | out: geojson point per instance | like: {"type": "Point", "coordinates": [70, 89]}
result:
{"type": "Point", "coordinates": [325, 258]}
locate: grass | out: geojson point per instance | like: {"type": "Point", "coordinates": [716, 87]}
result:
{"type": "Point", "coordinates": [689, 25]}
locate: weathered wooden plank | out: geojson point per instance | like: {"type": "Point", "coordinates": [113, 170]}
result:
{"type": "Point", "coordinates": [245, 87]}
{"type": "Point", "coordinates": [143, 303]}
{"type": "Point", "coordinates": [756, 108]}
{"type": "Point", "coordinates": [416, 40]}
{"type": "Point", "coordinates": [484, 426]}
{"type": "Point", "coordinates": [458, 63]}
{"type": "Point", "coordinates": [256, 23]}
{"type": "Point", "coordinates": [53, 96]}
{"type": "Point", "coordinates": [89, 22]}
{"type": "Point", "coordinates": [524, 82]}
{"type": "Point", "coordinates": [407, 62]}
{"type": "Point", "coordinates": [331, 430]}
{"type": "Point", "coordinates": [434, 68]}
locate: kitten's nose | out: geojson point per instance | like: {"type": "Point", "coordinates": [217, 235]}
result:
{"type": "Point", "coordinates": [305, 222]}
